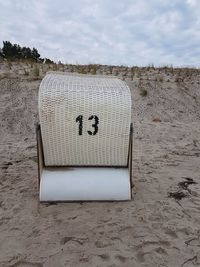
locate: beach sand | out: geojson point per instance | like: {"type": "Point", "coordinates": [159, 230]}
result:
{"type": "Point", "coordinates": [155, 228]}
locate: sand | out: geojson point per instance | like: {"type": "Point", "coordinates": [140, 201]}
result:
{"type": "Point", "coordinates": [154, 229]}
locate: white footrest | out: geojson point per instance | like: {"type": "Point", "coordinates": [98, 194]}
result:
{"type": "Point", "coordinates": [82, 183]}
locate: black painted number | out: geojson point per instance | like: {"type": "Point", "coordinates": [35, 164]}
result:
{"type": "Point", "coordinates": [80, 128]}
{"type": "Point", "coordinates": [95, 124]}
{"type": "Point", "coordinates": [79, 119]}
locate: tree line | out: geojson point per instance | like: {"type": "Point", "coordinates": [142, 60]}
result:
{"type": "Point", "coordinates": [15, 51]}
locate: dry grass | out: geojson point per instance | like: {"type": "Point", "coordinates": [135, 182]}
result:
{"type": "Point", "coordinates": [36, 71]}
{"type": "Point", "coordinates": [143, 92]}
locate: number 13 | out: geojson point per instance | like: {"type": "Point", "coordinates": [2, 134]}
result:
{"type": "Point", "coordinates": [94, 125]}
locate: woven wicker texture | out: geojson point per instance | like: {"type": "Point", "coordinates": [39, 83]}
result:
{"type": "Point", "coordinates": [85, 120]}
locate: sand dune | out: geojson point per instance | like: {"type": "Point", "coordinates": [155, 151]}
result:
{"type": "Point", "coordinates": [159, 227]}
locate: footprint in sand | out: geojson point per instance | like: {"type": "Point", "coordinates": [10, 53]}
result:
{"type": "Point", "coordinates": [121, 258]}
{"type": "Point", "coordinates": [104, 257]}
{"type": "Point", "coordinates": [27, 264]}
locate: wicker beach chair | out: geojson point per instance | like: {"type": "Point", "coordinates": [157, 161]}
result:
{"type": "Point", "coordinates": [84, 138]}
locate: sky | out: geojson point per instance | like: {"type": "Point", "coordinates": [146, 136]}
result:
{"type": "Point", "coordinates": [117, 32]}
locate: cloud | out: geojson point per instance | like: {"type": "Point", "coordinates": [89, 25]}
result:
{"type": "Point", "coordinates": [191, 2]}
{"type": "Point", "coordinates": [89, 31]}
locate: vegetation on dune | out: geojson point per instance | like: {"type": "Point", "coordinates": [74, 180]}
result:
{"type": "Point", "coordinates": [143, 92]}
{"type": "Point", "coordinates": [29, 64]}
{"type": "Point", "coordinates": [36, 71]}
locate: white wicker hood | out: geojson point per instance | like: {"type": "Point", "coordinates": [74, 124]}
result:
{"type": "Point", "coordinates": [85, 120]}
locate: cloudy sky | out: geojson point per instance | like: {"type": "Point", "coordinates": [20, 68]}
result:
{"type": "Point", "coordinates": [129, 32]}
